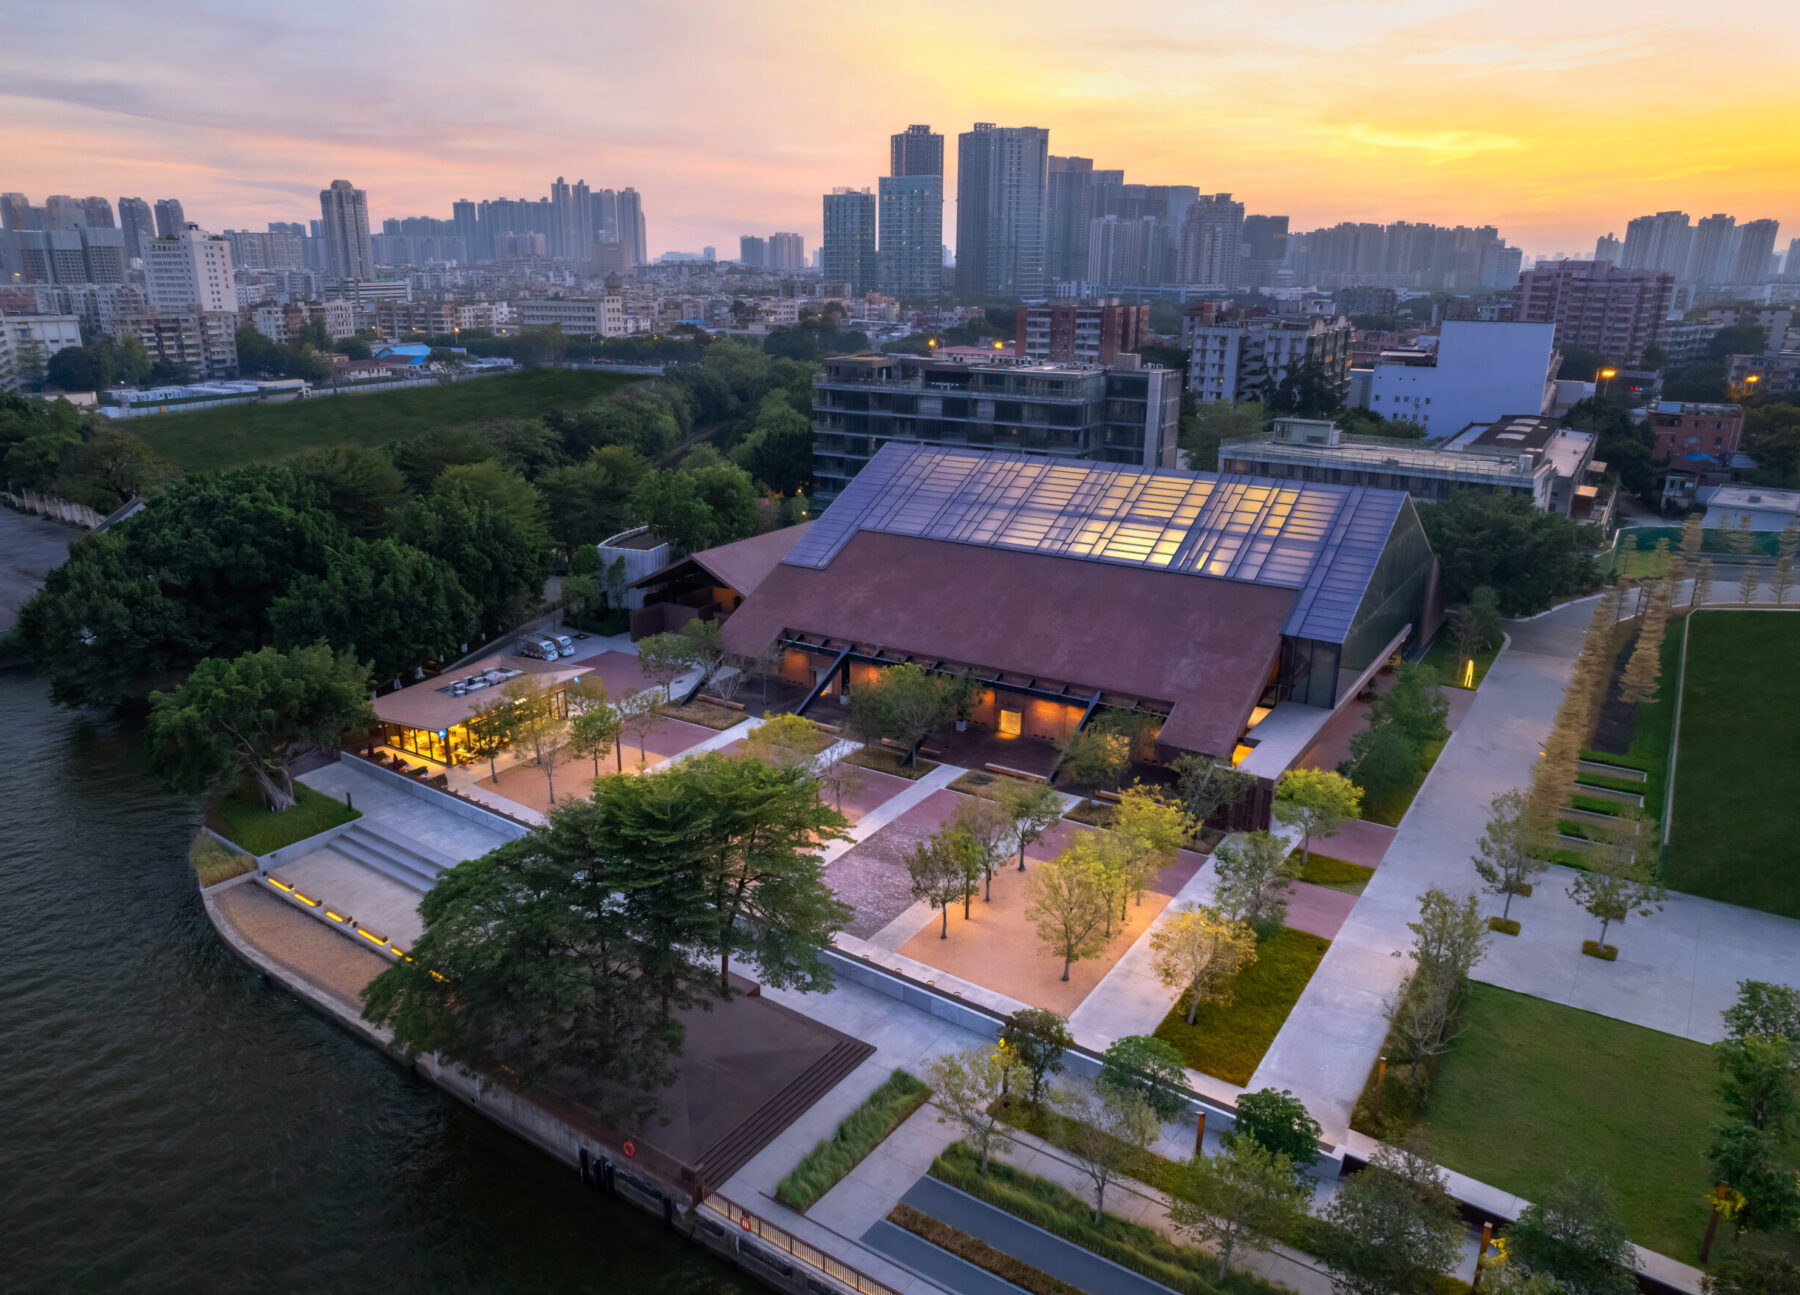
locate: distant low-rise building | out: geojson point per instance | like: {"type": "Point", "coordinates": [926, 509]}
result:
{"type": "Point", "coordinates": [576, 316]}
{"type": "Point", "coordinates": [1753, 507]}
{"type": "Point", "coordinates": [1476, 374]}
{"type": "Point", "coordinates": [1679, 428]}
{"type": "Point", "coordinates": [1765, 375]}
{"type": "Point", "coordinates": [27, 341]}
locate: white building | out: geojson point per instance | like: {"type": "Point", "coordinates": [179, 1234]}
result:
{"type": "Point", "coordinates": [191, 271]}
{"type": "Point", "coordinates": [1760, 509]}
{"type": "Point", "coordinates": [576, 316]}
{"type": "Point", "coordinates": [1479, 374]}
{"type": "Point", "coordinates": [28, 341]}
{"type": "Point", "coordinates": [1248, 360]}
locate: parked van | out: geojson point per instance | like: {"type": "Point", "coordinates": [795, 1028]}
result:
{"type": "Point", "coordinates": [537, 648]}
{"type": "Point", "coordinates": [565, 646]}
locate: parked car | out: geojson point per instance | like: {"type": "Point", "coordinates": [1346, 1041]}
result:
{"type": "Point", "coordinates": [565, 646]}
{"type": "Point", "coordinates": [537, 648]}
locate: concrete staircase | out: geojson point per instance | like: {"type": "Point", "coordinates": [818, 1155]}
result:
{"type": "Point", "coordinates": [392, 855]}
{"type": "Point", "coordinates": [732, 1152]}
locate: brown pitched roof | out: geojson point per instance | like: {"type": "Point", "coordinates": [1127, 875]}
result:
{"type": "Point", "coordinates": [741, 565]}
{"type": "Point", "coordinates": [1206, 646]}
{"type": "Point", "coordinates": [429, 704]}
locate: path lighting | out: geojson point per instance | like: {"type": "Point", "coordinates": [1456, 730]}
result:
{"type": "Point", "coordinates": [1469, 674]}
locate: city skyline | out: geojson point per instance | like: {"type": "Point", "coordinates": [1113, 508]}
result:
{"type": "Point", "coordinates": [1546, 135]}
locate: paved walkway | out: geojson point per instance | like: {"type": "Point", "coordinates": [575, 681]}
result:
{"type": "Point", "coordinates": [413, 817]}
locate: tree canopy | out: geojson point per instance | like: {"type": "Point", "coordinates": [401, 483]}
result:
{"type": "Point", "coordinates": [1529, 557]}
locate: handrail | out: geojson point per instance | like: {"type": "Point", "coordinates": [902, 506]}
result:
{"type": "Point", "coordinates": [807, 1253]}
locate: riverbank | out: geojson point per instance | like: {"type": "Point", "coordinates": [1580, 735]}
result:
{"type": "Point", "coordinates": [30, 548]}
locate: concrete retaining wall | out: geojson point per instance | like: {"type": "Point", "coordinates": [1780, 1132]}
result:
{"type": "Point", "coordinates": [299, 848]}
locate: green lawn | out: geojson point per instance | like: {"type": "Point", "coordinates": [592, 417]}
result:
{"type": "Point", "coordinates": [239, 434]}
{"type": "Point", "coordinates": [1443, 658]}
{"type": "Point", "coordinates": [1338, 874]}
{"type": "Point", "coordinates": [1736, 830]}
{"type": "Point", "coordinates": [1534, 1088]}
{"type": "Point", "coordinates": [242, 819]}
{"type": "Point", "coordinates": [1390, 808]}
{"type": "Point", "coordinates": [1229, 1042]}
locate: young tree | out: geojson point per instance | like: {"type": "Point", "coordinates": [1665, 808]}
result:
{"type": "Point", "coordinates": [1200, 951]}
{"type": "Point", "coordinates": [1638, 684]}
{"type": "Point", "coordinates": [764, 880]}
{"type": "Point", "coordinates": [904, 703]}
{"type": "Point", "coordinates": [1573, 1235]}
{"type": "Point", "coordinates": [1155, 827]}
{"type": "Point", "coordinates": [1279, 1123]}
{"type": "Point", "coordinates": [1781, 579]}
{"type": "Point", "coordinates": [967, 1087]}
{"type": "Point", "coordinates": [1766, 1009]}
{"type": "Point", "coordinates": [1210, 787]}
{"type": "Point", "coordinates": [1619, 878]}
{"type": "Point", "coordinates": [488, 734]}
{"type": "Point", "coordinates": [1316, 801]}
{"type": "Point", "coordinates": [639, 714]}
{"type": "Point", "coordinates": [1094, 760]}
{"type": "Point", "coordinates": [1068, 906]}
{"type": "Point", "coordinates": [1038, 1038]}
{"type": "Point", "coordinates": [703, 647]}
{"type": "Point", "coordinates": [1253, 873]}
{"type": "Point", "coordinates": [1148, 1069]}
{"type": "Point", "coordinates": [938, 867]}
{"type": "Point", "coordinates": [1243, 1197]}
{"type": "Point", "coordinates": [1693, 538]}
{"type": "Point", "coordinates": [1449, 938]}
{"type": "Point", "coordinates": [784, 740]}
{"type": "Point", "coordinates": [838, 776]}
{"type": "Point", "coordinates": [1395, 1227]}
{"type": "Point", "coordinates": [986, 826]}
{"type": "Point", "coordinates": [664, 658]}
{"type": "Point", "coordinates": [1033, 808]}
{"type": "Point", "coordinates": [594, 733]}
{"type": "Point", "coordinates": [252, 716]}
{"type": "Point", "coordinates": [537, 723]}
{"type": "Point", "coordinates": [1505, 857]}
{"type": "Point", "coordinates": [1702, 586]}
{"type": "Point", "coordinates": [1108, 858]}
{"type": "Point", "coordinates": [1104, 1129]}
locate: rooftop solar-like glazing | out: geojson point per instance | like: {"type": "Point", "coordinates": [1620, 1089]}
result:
{"type": "Point", "coordinates": [1323, 540]}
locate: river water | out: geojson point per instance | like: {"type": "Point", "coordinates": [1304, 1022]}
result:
{"type": "Point", "coordinates": [169, 1122]}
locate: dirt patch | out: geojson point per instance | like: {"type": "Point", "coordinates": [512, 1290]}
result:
{"type": "Point", "coordinates": [1617, 723]}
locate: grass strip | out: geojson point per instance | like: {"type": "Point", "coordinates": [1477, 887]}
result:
{"type": "Point", "coordinates": [861, 1132]}
{"type": "Point", "coordinates": [1228, 1040]}
{"type": "Point", "coordinates": [242, 818]}
{"type": "Point", "coordinates": [1338, 874]}
{"type": "Point", "coordinates": [882, 760]}
{"type": "Point", "coordinates": [1062, 1213]}
{"type": "Point", "coordinates": [1587, 778]}
{"type": "Point", "coordinates": [975, 1251]}
{"type": "Point", "coordinates": [709, 715]}
{"type": "Point", "coordinates": [213, 861]}
{"type": "Point", "coordinates": [979, 782]}
{"type": "Point", "coordinates": [1596, 805]}
{"type": "Point", "coordinates": [1612, 757]}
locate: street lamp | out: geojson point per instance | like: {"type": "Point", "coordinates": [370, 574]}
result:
{"type": "Point", "coordinates": [1600, 377]}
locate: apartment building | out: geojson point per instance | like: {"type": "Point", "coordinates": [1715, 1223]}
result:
{"type": "Point", "coordinates": [1088, 332]}
{"type": "Point", "coordinates": [1249, 359]}
{"type": "Point", "coordinates": [1619, 313]}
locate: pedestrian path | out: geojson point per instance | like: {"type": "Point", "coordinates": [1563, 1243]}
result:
{"type": "Point", "coordinates": [893, 808]}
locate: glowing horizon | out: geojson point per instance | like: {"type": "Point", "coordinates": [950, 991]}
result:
{"type": "Point", "coordinates": [735, 119]}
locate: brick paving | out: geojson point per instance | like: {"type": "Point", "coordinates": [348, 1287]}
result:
{"type": "Point", "coordinates": [312, 951]}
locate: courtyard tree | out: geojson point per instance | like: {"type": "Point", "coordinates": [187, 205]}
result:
{"type": "Point", "coordinates": [1067, 904]}
{"type": "Point", "coordinates": [1395, 1228]}
{"type": "Point", "coordinates": [537, 723]}
{"type": "Point", "coordinates": [1619, 877]}
{"type": "Point", "coordinates": [1242, 1198]}
{"type": "Point", "coordinates": [1105, 1128]}
{"type": "Point", "coordinates": [967, 1088]}
{"type": "Point", "coordinates": [486, 734]}
{"type": "Point", "coordinates": [939, 870]}
{"type": "Point", "coordinates": [1764, 1008]}
{"type": "Point", "coordinates": [639, 714]}
{"type": "Point", "coordinates": [764, 879]}
{"type": "Point", "coordinates": [1573, 1234]}
{"type": "Point", "coordinates": [837, 775]}
{"type": "Point", "coordinates": [783, 739]}
{"type": "Point", "coordinates": [1701, 589]}
{"type": "Point", "coordinates": [1094, 760]}
{"type": "Point", "coordinates": [1110, 861]}
{"type": "Point", "coordinates": [1781, 579]}
{"type": "Point", "coordinates": [1749, 582]}
{"type": "Point", "coordinates": [985, 825]}
{"type": "Point", "coordinates": [1209, 786]}
{"type": "Point", "coordinates": [1199, 952]}
{"type": "Point", "coordinates": [1038, 1038]}
{"type": "Point", "coordinates": [1149, 1069]}
{"type": "Point", "coordinates": [251, 717]}
{"type": "Point", "coordinates": [594, 734]}
{"type": "Point", "coordinates": [1756, 1079]}
{"type": "Point", "coordinates": [1753, 1163]}
{"type": "Point", "coordinates": [703, 647]}
{"type": "Point", "coordinates": [1253, 873]}
{"type": "Point", "coordinates": [664, 658]}
{"type": "Point", "coordinates": [1155, 826]}
{"type": "Point", "coordinates": [903, 703]}
{"type": "Point", "coordinates": [1506, 858]}
{"type": "Point", "coordinates": [1318, 802]}
{"type": "Point", "coordinates": [1280, 1124]}
{"type": "Point", "coordinates": [1383, 762]}
{"type": "Point", "coordinates": [1426, 1010]}
{"type": "Point", "coordinates": [1033, 808]}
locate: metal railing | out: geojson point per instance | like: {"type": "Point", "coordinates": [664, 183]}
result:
{"type": "Point", "coordinates": [756, 1226]}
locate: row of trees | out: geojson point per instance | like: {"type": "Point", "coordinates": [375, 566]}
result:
{"type": "Point", "coordinates": [567, 959]}
{"type": "Point", "coordinates": [51, 447]}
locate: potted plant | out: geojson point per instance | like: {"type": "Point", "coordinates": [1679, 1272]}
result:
{"type": "Point", "coordinates": [963, 692]}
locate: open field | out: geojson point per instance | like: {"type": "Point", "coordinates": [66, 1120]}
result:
{"type": "Point", "coordinates": [239, 434]}
{"type": "Point", "coordinates": [1736, 830]}
{"type": "Point", "coordinates": [1535, 1088]}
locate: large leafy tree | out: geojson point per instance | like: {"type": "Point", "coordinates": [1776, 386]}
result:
{"type": "Point", "coordinates": [385, 602]}
{"type": "Point", "coordinates": [778, 450]}
{"type": "Point", "coordinates": [1573, 1234]}
{"type": "Point", "coordinates": [1244, 1197]}
{"type": "Point", "coordinates": [1528, 556]}
{"type": "Point", "coordinates": [1395, 1227]}
{"type": "Point", "coordinates": [360, 487]}
{"type": "Point", "coordinates": [249, 718]}
{"type": "Point", "coordinates": [501, 564]}
{"type": "Point", "coordinates": [764, 877]}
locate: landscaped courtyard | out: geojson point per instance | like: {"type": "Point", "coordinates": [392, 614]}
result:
{"type": "Point", "coordinates": [1534, 1089]}
{"type": "Point", "coordinates": [1735, 835]}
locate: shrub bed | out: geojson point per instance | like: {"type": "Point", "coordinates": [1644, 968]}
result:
{"type": "Point", "coordinates": [1504, 925]}
{"type": "Point", "coordinates": [861, 1132]}
{"type": "Point", "coordinates": [1605, 952]}
{"type": "Point", "coordinates": [1229, 1041]}
{"type": "Point", "coordinates": [243, 819]}
{"type": "Point", "coordinates": [1596, 805]}
{"type": "Point", "coordinates": [213, 861]}
{"type": "Point", "coordinates": [978, 1252]}
{"type": "Point", "coordinates": [1338, 874]}
{"type": "Point", "coordinates": [882, 760]}
{"type": "Point", "coordinates": [709, 714]}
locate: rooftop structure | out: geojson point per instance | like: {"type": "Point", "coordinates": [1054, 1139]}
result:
{"type": "Point", "coordinates": [1755, 507]}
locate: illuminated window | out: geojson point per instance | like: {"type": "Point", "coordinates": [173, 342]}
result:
{"type": "Point", "coordinates": [1239, 754]}
{"type": "Point", "coordinates": [1012, 723]}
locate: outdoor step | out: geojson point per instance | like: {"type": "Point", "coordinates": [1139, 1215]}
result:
{"type": "Point", "coordinates": [403, 865]}
{"type": "Point", "coordinates": [732, 1152]}
{"type": "Point", "coordinates": [1613, 770]}
{"type": "Point", "coordinates": [400, 843]}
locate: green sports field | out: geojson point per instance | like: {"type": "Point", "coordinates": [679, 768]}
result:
{"type": "Point", "coordinates": [239, 434]}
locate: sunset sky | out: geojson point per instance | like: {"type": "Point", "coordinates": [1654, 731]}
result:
{"type": "Point", "coordinates": [1556, 122]}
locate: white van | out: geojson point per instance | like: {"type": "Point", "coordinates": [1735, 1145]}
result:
{"type": "Point", "coordinates": [538, 649]}
{"type": "Point", "coordinates": [565, 646]}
